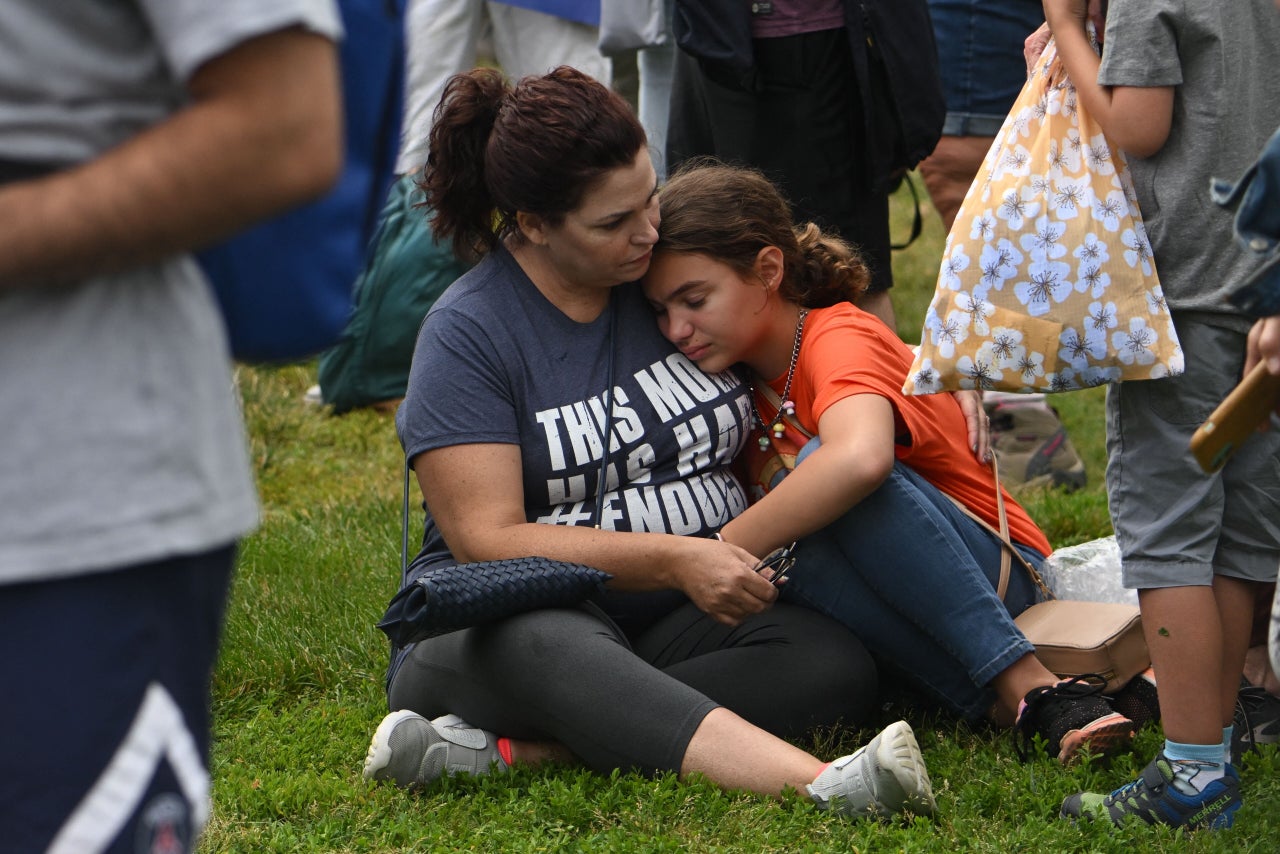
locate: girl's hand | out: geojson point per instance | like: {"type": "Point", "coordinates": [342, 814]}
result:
{"type": "Point", "coordinates": [1035, 43]}
{"type": "Point", "coordinates": [978, 422]}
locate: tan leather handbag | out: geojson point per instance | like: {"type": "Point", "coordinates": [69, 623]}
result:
{"type": "Point", "coordinates": [1072, 637]}
{"type": "Point", "coordinates": [1075, 638]}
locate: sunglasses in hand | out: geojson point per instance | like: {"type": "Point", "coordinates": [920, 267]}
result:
{"type": "Point", "coordinates": [780, 561]}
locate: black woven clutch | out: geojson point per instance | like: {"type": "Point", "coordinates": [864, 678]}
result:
{"type": "Point", "coordinates": [447, 598]}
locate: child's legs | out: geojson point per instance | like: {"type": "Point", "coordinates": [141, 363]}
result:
{"type": "Point", "coordinates": [1178, 528]}
{"type": "Point", "coordinates": [1248, 549]}
{"type": "Point", "coordinates": [1236, 600]}
{"type": "Point", "coordinates": [915, 580]}
{"type": "Point", "coordinates": [1184, 634]}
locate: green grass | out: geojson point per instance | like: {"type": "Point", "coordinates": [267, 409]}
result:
{"type": "Point", "coordinates": [298, 690]}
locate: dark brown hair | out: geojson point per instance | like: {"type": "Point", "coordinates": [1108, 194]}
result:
{"type": "Point", "coordinates": [537, 147]}
{"type": "Point", "coordinates": [730, 213]}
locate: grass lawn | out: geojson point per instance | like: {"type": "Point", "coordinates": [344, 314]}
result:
{"type": "Point", "coordinates": [299, 687]}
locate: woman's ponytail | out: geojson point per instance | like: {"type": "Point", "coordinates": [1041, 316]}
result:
{"type": "Point", "coordinates": [454, 178]}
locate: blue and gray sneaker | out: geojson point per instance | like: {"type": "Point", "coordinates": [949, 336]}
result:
{"type": "Point", "coordinates": [1154, 799]}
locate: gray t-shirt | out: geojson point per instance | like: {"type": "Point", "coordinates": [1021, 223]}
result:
{"type": "Point", "coordinates": [1226, 105]}
{"type": "Point", "coordinates": [122, 436]}
{"type": "Point", "coordinates": [496, 362]}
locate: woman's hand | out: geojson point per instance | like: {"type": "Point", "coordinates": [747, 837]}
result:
{"type": "Point", "coordinates": [1034, 46]}
{"type": "Point", "coordinates": [720, 578]}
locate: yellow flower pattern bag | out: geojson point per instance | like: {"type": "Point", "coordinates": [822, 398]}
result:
{"type": "Point", "coordinates": [1047, 281]}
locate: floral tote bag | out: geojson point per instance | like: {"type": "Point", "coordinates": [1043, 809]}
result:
{"type": "Point", "coordinates": [1047, 281]}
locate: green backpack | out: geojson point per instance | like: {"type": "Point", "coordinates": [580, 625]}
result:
{"type": "Point", "coordinates": [405, 273]}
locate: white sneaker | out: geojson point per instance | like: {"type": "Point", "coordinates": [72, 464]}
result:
{"type": "Point", "coordinates": [409, 750]}
{"type": "Point", "coordinates": [885, 777]}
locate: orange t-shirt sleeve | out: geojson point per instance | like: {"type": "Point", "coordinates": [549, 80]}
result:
{"type": "Point", "coordinates": [847, 351]}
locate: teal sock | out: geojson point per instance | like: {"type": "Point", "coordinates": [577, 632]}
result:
{"type": "Point", "coordinates": [1194, 765]}
{"type": "Point", "coordinates": [1227, 732]}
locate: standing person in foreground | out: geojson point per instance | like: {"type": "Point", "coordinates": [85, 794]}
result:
{"type": "Point", "coordinates": [686, 664]}
{"type": "Point", "coordinates": [1172, 79]}
{"type": "Point", "coordinates": [882, 547]}
{"type": "Point", "coordinates": [131, 133]}
{"type": "Point", "coordinates": [1264, 346]}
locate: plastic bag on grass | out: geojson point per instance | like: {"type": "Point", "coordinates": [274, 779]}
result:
{"type": "Point", "coordinates": [1088, 571]}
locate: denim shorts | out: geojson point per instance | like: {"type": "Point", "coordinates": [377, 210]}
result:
{"type": "Point", "coordinates": [1176, 525]}
{"type": "Point", "coordinates": [980, 55]}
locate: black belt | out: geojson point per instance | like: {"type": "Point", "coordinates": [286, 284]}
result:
{"type": "Point", "coordinates": [22, 170]}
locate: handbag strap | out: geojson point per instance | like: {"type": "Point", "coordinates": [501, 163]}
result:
{"type": "Point", "coordinates": [404, 521]}
{"type": "Point", "coordinates": [608, 409]}
{"type": "Point", "coordinates": [1007, 548]}
{"type": "Point", "coordinates": [917, 221]}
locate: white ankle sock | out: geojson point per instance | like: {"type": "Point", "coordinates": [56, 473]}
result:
{"type": "Point", "coordinates": [1194, 765]}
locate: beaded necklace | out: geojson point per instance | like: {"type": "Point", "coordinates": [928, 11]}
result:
{"type": "Point", "coordinates": [788, 407]}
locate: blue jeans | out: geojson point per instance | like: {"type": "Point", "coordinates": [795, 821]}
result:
{"type": "Point", "coordinates": [980, 55]}
{"type": "Point", "coordinates": [915, 579]}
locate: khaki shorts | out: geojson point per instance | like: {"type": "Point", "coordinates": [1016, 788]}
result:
{"type": "Point", "coordinates": [1176, 525]}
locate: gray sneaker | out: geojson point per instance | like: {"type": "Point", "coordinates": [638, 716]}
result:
{"type": "Point", "coordinates": [1256, 719]}
{"type": "Point", "coordinates": [885, 777]}
{"type": "Point", "coordinates": [409, 750]}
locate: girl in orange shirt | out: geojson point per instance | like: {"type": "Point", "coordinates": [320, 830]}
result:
{"type": "Point", "coordinates": [879, 544]}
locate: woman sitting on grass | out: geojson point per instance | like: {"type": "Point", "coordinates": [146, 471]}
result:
{"type": "Point", "coordinates": [687, 664]}
{"type": "Point", "coordinates": [882, 547]}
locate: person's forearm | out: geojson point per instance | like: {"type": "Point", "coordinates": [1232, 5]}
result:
{"type": "Point", "coordinates": [808, 499]}
{"type": "Point", "coordinates": [717, 576]}
{"type": "Point", "coordinates": [263, 133]}
{"type": "Point", "coordinates": [637, 561]}
{"type": "Point", "coordinates": [1082, 66]}
{"type": "Point", "coordinates": [1134, 120]}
